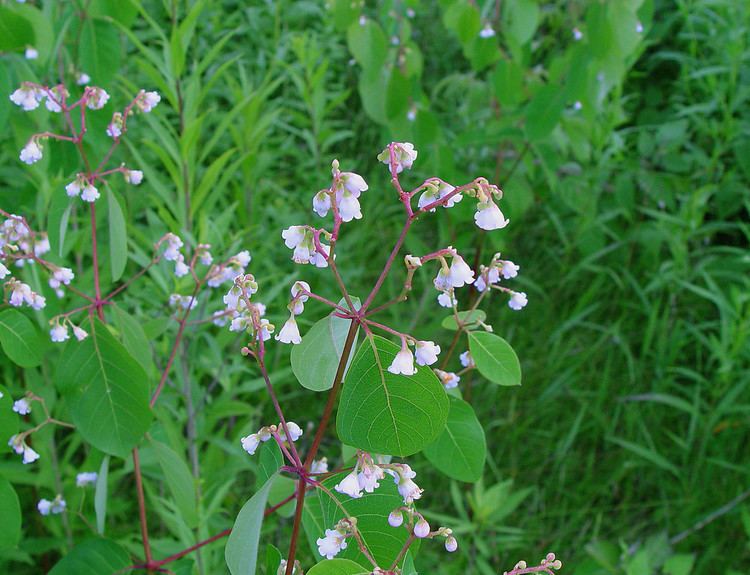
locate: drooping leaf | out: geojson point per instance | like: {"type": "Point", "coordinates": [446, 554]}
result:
{"type": "Point", "coordinates": [179, 480]}
{"type": "Point", "coordinates": [544, 112]}
{"type": "Point", "coordinates": [100, 495]}
{"type": "Point", "coordinates": [371, 510]}
{"type": "Point", "coordinates": [469, 318]}
{"type": "Point", "coordinates": [99, 51]}
{"type": "Point", "coordinates": [134, 338]}
{"type": "Point", "coordinates": [19, 339]}
{"type": "Point", "coordinates": [107, 390]}
{"type": "Point", "coordinates": [93, 557]}
{"type": "Point", "coordinates": [16, 31]}
{"type": "Point", "coordinates": [241, 552]}
{"type": "Point", "coordinates": [316, 359]}
{"type": "Point", "coordinates": [386, 413]}
{"type": "Point", "coordinates": [368, 44]}
{"type": "Point", "coordinates": [520, 20]}
{"type": "Point", "coordinates": [495, 358]}
{"type": "Point", "coordinates": [10, 511]}
{"type": "Point", "coordinates": [461, 449]}
{"type": "Point", "coordinates": [118, 236]}
{"type": "Point", "coordinates": [338, 567]}
{"type": "Point", "coordinates": [269, 460]}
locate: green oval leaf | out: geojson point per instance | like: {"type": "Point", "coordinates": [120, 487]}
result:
{"type": "Point", "coordinates": [368, 44]}
{"type": "Point", "coordinates": [99, 51]}
{"type": "Point", "coordinates": [544, 112]}
{"type": "Point", "coordinates": [93, 557]}
{"type": "Point", "coordinates": [495, 359]}
{"type": "Point", "coordinates": [108, 391]}
{"type": "Point", "coordinates": [241, 552]}
{"type": "Point", "coordinates": [10, 511]}
{"type": "Point", "coordinates": [338, 567]}
{"type": "Point", "coordinates": [386, 413]}
{"type": "Point", "coordinates": [100, 495]}
{"type": "Point", "coordinates": [16, 31]}
{"type": "Point", "coordinates": [461, 449]}
{"type": "Point", "coordinates": [470, 319]}
{"type": "Point", "coordinates": [316, 359]}
{"type": "Point", "coordinates": [20, 339]}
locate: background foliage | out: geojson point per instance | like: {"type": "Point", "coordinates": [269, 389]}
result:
{"type": "Point", "coordinates": [628, 216]}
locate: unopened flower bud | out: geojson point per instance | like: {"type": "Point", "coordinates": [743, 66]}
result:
{"type": "Point", "coordinates": [395, 518]}
{"type": "Point", "coordinates": [422, 529]}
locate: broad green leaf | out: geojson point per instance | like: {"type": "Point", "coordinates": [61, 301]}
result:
{"type": "Point", "coordinates": [343, 13]}
{"type": "Point", "coordinates": [508, 82]}
{"type": "Point", "coordinates": [134, 338]}
{"type": "Point", "coordinates": [124, 12]}
{"type": "Point", "coordinates": [461, 449]}
{"type": "Point", "coordinates": [397, 95]}
{"type": "Point", "coordinates": [118, 236]}
{"type": "Point", "coordinates": [368, 44]}
{"type": "Point", "coordinates": [179, 480]}
{"type": "Point", "coordinates": [99, 51]}
{"type": "Point", "coordinates": [520, 19]}
{"type": "Point", "coordinates": [100, 495]}
{"type": "Point", "coordinates": [470, 319]}
{"type": "Point", "coordinates": [273, 559]}
{"type": "Point", "coordinates": [495, 358]}
{"type": "Point", "coordinates": [20, 339]}
{"type": "Point", "coordinates": [386, 413]}
{"type": "Point", "coordinates": [544, 112]}
{"type": "Point", "coordinates": [338, 567]}
{"type": "Point", "coordinates": [93, 557]}
{"type": "Point", "coordinates": [10, 511]}
{"type": "Point", "coordinates": [9, 418]}
{"type": "Point", "coordinates": [371, 510]}
{"type": "Point", "coordinates": [464, 20]}
{"type": "Point", "coordinates": [107, 390]}
{"type": "Point", "coordinates": [269, 460]}
{"type": "Point", "coordinates": [679, 564]}
{"type": "Point", "coordinates": [16, 31]}
{"type": "Point", "coordinates": [316, 359]}
{"type": "Point", "coordinates": [241, 552]}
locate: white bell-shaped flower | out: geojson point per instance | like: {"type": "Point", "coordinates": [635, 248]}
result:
{"type": "Point", "coordinates": [518, 301]}
{"type": "Point", "coordinates": [31, 153]}
{"type": "Point", "coordinates": [489, 217]}
{"type": "Point", "coordinates": [403, 363]}
{"type": "Point", "coordinates": [426, 352]}
{"type": "Point", "coordinates": [86, 478]}
{"type": "Point", "coordinates": [295, 431]}
{"type": "Point", "coordinates": [332, 544]}
{"type": "Point", "coordinates": [22, 406]}
{"type": "Point", "coordinates": [460, 272]}
{"type": "Point", "coordinates": [289, 332]}
{"type": "Point", "coordinates": [349, 485]}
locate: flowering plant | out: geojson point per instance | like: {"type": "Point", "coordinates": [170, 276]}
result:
{"type": "Point", "coordinates": [392, 396]}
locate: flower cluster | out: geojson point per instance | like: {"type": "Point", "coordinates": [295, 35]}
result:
{"type": "Point", "coordinates": [490, 276]}
{"type": "Point", "coordinates": [342, 196]}
{"type": "Point", "coordinates": [18, 444]}
{"type": "Point", "coordinates": [47, 507]}
{"type": "Point", "coordinates": [290, 331]}
{"type": "Point", "coordinates": [335, 539]}
{"type": "Point", "coordinates": [307, 245]}
{"type": "Point", "coordinates": [546, 566]}
{"type": "Point", "coordinates": [251, 442]}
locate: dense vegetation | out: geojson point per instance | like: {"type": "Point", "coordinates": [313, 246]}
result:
{"type": "Point", "coordinates": [619, 132]}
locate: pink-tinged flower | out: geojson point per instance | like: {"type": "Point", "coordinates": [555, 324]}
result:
{"type": "Point", "coordinates": [180, 267]}
{"type": "Point", "coordinates": [402, 476]}
{"type": "Point", "coordinates": [80, 333]}
{"type": "Point", "coordinates": [97, 98]}
{"type": "Point", "coordinates": [22, 406]}
{"type": "Point", "coordinates": [89, 193]}
{"type": "Point", "coordinates": [55, 98]}
{"type": "Point", "coordinates": [59, 333]}
{"type": "Point", "coordinates": [29, 455]}
{"type": "Point", "coordinates": [31, 153]}
{"type": "Point", "coordinates": [250, 443]}
{"type": "Point", "coordinates": [322, 203]}
{"type": "Point", "coordinates": [466, 359]}
{"type": "Point", "coordinates": [460, 272]}
{"type": "Point", "coordinates": [509, 269]}
{"type": "Point", "coordinates": [518, 301]}
{"type": "Point", "coordinates": [27, 96]}
{"type": "Point", "coordinates": [422, 529]}
{"type": "Point", "coordinates": [349, 208]}
{"type": "Point", "coordinates": [319, 466]}
{"type": "Point", "coordinates": [404, 154]}
{"type": "Point", "coordinates": [486, 32]}
{"type": "Point", "coordinates": [295, 431]}
{"type": "Point", "coordinates": [44, 506]}
{"type": "Point", "coordinates": [426, 352]}
{"type": "Point", "coordinates": [447, 378]}
{"type": "Point", "coordinates": [82, 78]}
{"type": "Point", "coordinates": [489, 217]}
{"type": "Point", "coordinates": [31, 53]}
{"type": "Point", "coordinates": [447, 299]}
{"type": "Point", "coordinates": [134, 177]}
{"type": "Point", "coordinates": [86, 478]}
{"type": "Point", "coordinates": [395, 518]}
{"type": "Point", "coordinates": [332, 544]}
{"type": "Point", "coordinates": [74, 188]}
{"type": "Point", "coordinates": [354, 183]}
{"type": "Point", "coordinates": [114, 128]}
{"type": "Point", "coordinates": [443, 281]}
{"type": "Point", "coordinates": [403, 363]}
{"type": "Point", "coordinates": [147, 101]}
{"type": "Point", "coordinates": [349, 485]}
{"type": "Point", "coordinates": [174, 243]}
{"type": "Point", "coordinates": [63, 276]}
{"type": "Point", "coordinates": [369, 477]}
{"type": "Point", "coordinates": [3, 271]}
{"type": "Point", "coordinates": [451, 544]}
{"type": "Point", "coordinates": [266, 329]}
{"type": "Point", "coordinates": [289, 332]}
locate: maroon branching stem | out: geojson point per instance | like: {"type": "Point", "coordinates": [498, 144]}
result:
{"type": "Point", "coordinates": [141, 505]}
{"type": "Point", "coordinates": [175, 346]}
{"type": "Point", "coordinates": [301, 490]}
{"type": "Point", "coordinates": [403, 551]}
{"type": "Point", "coordinates": [136, 276]}
{"type": "Point", "coordinates": [388, 264]}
